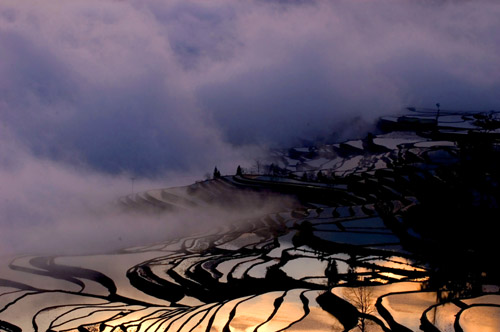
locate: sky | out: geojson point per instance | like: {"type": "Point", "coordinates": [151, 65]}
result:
{"type": "Point", "coordinates": [93, 93]}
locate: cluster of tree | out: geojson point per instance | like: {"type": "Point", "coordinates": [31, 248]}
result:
{"type": "Point", "coordinates": [317, 177]}
{"type": "Point", "coordinates": [275, 170]}
{"type": "Point", "coordinates": [217, 174]}
{"type": "Point", "coordinates": [262, 169]}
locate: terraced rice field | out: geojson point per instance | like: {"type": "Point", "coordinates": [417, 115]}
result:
{"type": "Point", "coordinates": [344, 252]}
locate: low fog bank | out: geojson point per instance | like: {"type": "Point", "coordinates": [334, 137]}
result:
{"type": "Point", "coordinates": [47, 206]}
{"type": "Point", "coordinates": [55, 208]}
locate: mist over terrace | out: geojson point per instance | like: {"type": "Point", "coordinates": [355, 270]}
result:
{"type": "Point", "coordinates": [95, 93]}
{"type": "Point", "coordinates": [355, 205]}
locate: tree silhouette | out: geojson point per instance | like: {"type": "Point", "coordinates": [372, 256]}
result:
{"type": "Point", "coordinates": [216, 173]}
{"type": "Point", "coordinates": [304, 177]}
{"type": "Point", "coordinates": [332, 273]}
{"type": "Point", "coordinates": [320, 177]}
{"type": "Point", "coordinates": [362, 298]}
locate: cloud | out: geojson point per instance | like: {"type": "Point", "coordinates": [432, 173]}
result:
{"type": "Point", "coordinates": [94, 92]}
{"type": "Point", "coordinates": [151, 86]}
{"type": "Point", "coordinates": [302, 69]}
{"type": "Point", "coordinates": [98, 84]}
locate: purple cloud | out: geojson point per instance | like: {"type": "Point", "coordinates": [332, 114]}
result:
{"type": "Point", "coordinates": [93, 92]}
